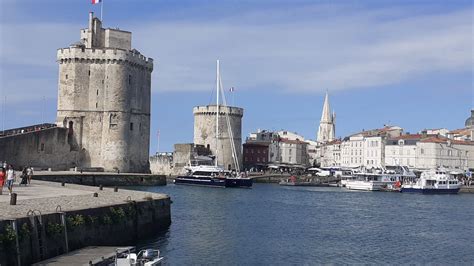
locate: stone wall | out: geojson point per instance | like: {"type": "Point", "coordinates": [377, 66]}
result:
{"type": "Point", "coordinates": [42, 237]}
{"type": "Point", "coordinates": [205, 132]}
{"type": "Point", "coordinates": [47, 148]}
{"type": "Point", "coordinates": [97, 179]}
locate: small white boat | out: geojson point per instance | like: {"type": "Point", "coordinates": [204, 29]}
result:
{"type": "Point", "coordinates": [433, 182]}
{"type": "Point", "coordinates": [146, 257]}
{"type": "Point", "coordinates": [371, 181]}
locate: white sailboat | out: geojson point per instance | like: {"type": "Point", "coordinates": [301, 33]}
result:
{"type": "Point", "coordinates": [216, 176]}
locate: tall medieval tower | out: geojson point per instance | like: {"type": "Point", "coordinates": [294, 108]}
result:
{"type": "Point", "coordinates": [205, 132]}
{"type": "Point", "coordinates": [104, 99]}
{"type": "Point", "coordinates": [327, 125]}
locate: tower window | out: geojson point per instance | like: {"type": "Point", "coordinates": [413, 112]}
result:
{"type": "Point", "coordinates": [89, 72]}
{"type": "Point", "coordinates": [96, 105]}
{"type": "Point", "coordinates": [66, 76]}
{"type": "Point", "coordinates": [129, 79]}
{"type": "Point", "coordinates": [131, 126]}
{"type": "Point", "coordinates": [97, 92]}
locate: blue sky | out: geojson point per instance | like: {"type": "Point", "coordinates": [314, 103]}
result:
{"type": "Point", "coordinates": [408, 63]}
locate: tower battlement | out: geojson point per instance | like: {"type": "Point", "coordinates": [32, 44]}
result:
{"type": "Point", "coordinates": [103, 55]}
{"type": "Point", "coordinates": [211, 110]}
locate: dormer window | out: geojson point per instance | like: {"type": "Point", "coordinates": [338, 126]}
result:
{"type": "Point", "coordinates": [401, 142]}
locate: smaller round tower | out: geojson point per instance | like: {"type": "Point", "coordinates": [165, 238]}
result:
{"type": "Point", "coordinates": [205, 132]}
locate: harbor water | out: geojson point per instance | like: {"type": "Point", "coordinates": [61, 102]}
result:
{"type": "Point", "coordinates": [271, 224]}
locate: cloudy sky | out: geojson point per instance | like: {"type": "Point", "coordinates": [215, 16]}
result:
{"type": "Point", "coordinates": [408, 63]}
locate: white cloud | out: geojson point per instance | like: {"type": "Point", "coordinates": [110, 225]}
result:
{"type": "Point", "coordinates": [354, 51]}
{"type": "Point", "coordinates": [298, 49]}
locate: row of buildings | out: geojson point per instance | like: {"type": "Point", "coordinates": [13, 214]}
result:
{"type": "Point", "coordinates": [386, 146]}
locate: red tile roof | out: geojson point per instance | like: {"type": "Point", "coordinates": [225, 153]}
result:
{"type": "Point", "coordinates": [461, 131]}
{"type": "Point", "coordinates": [444, 140]}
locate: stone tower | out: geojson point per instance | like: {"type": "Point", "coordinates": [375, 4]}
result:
{"type": "Point", "coordinates": [327, 126]}
{"type": "Point", "coordinates": [205, 132]}
{"type": "Point", "coordinates": [104, 99]}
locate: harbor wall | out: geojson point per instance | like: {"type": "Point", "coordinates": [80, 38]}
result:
{"type": "Point", "coordinates": [105, 179]}
{"type": "Point", "coordinates": [46, 148]}
{"type": "Point", "coordinates": [39, 237]}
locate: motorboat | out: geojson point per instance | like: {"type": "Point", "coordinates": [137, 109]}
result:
{"type": "Point", "coordinates": [437, 181]}
{"type": "Point", "coordinates": [146, 257]}
{"type": "Point", "coordinates": [371, 181]}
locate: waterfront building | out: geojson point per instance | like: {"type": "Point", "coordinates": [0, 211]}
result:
{"type": "Point", "coordinates": [331, 153]}
{"type": "Point", "coordinates": [402, 150]}
{"type": "Point", "coordinates": [283, 148]}
{"type": "Point", "coordinates": [423, 151]}
{"type": "Point", "coordinates": [367, 148]}
{"type": "Point", "coordinates": [313, 149]}
{"type": "Point", "coordinates": [438, 151]}
{"type": "Point", "coordinates": [437, 131]}
{"type": "Point", "coordinates": [327, 125]}
{"type": "Point", "coordinates": [184, 154]}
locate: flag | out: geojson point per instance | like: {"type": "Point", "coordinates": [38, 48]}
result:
{"type": "Point", "coordinates": [231, 89]}
{"type": "Point", "coordinates": [96, 1]}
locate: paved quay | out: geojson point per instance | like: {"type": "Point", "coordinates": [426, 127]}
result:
{"type": "Point", "coordinates": [47, 196]}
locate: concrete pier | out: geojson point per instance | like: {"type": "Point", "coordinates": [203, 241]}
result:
{"type": "Point", "coordinates": [101, 178]}
{"type": "Point", "coordinates": [50, 219]}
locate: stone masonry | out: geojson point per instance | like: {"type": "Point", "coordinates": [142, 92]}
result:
{"type": "Point", "coordinates": [104, 99]}
{"type": "Point", "coordinates": [205, 132]}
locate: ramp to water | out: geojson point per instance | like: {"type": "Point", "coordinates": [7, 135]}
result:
{"type": "Point", "coordinates": [98, 255]}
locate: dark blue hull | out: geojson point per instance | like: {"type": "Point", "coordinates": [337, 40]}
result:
{"type": "Point", "coordinates": [197, 181]}
{"type": "Point", "coordinates": [430, 191]}
{"type": "Point", "coordinates": [214, 182]}
{"type": "Point", "coordinates": [238, 182]}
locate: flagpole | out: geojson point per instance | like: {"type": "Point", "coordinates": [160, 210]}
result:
{"type": "Point", "coordinates": [3, 113]}
{"type": "Point", "coordinates": [158, 145]}
{"type": "Point", "coordinates": [101, 10]}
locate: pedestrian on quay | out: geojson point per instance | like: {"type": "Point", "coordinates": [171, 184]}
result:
{"type": "Point", "coordinates": [3, 174]}
{"type": "Point", "coordinates": [29, 173]}
{"type": "Point", "coordinates": [24, 177]}
{"type": "Point", "coordinates": [10, 179]}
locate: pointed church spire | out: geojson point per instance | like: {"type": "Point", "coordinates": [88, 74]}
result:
{"type": "Point", "coordinates": [327, 125]}
{"type": "Point", "coordinates": [326, 115]}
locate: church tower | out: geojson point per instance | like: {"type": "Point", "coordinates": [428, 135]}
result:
{"type": "Point", "coordinates": [327, 126]}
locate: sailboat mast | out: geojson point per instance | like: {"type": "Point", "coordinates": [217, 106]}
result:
{"type": "Point", "coordinates": [217, 112]}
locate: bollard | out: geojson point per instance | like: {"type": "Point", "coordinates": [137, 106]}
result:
{"type": "Point", "coordinates": [13, 199]}
{"type": "Point", "coordinates": [101, 187]}
{"type": "Point", "coordinates": [115, 189]}
{"type": "Point", "coordinates": [95, 194]}
{"type": "Point", "coordinates": [63, 184]}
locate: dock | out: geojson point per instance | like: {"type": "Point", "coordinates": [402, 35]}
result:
{"type": "Point", "coordinates": [95, 255]}
{"type": "Point", "coordinates": [50, 219]}
{"type": "Point", "coordinates": [101, 178]}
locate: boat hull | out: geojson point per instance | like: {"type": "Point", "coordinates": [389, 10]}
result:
{"type": "Point", "coordinates": [208, 182]}
{"type": "Point", "coordinates": [431, 190]}
{"type": "Point", "coordinates": [364, 185]}
{"type": "Point", "coordinates": [238, 182]}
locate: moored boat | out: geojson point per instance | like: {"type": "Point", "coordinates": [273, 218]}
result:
{"type": "Point", "coordinates": [371, 181]}
{"type": "Point", "coordinates": [433, 182]}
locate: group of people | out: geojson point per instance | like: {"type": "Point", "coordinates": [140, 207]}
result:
{"type": "Point", "coordinates": [8, 176]}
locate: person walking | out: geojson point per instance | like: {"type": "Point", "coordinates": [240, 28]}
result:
{"type": "Point", "coordinates": [2, 179]}
{"type": "Point", "coordinates": [10, 179]}
{"type": "Point", "coordinates": [29, 172]}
